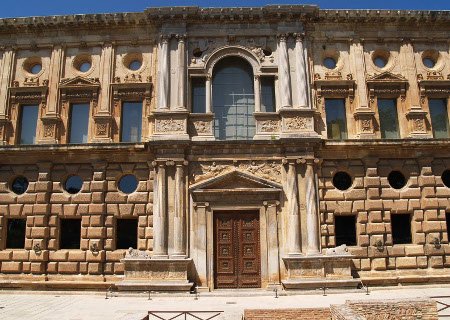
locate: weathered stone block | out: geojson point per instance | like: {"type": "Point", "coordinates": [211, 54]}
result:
{"type": "Point", "coordinates": [414, 250]}
{"type": "Point", "coordinates": [76, 255]}
{"type": "Point", "coordinates": [96, 232]}
{"type": "Point", "coordinates": [436, 262]}
{"type": "Point", "coordinates": [60, 255]}
{"type": "Point", "coordinates": [406, 262]}
{"type": "Point", "coordinates": [379, 264]}
{"type": "Point", "coordinates": [11, 267]}
{"type": "Point", "coordinates": [68, 267]}
{"type": "Point", "coordinates": [97, 208]}
{"type": "Point", "coordinates": [21, 255]}
{"type": "Point", "coordinates": [138, 197]}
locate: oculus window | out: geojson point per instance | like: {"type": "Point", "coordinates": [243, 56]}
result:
{"type": "Point", "coordinates": [387, 110]}
{"type": "Point", "coordinates": [79, 122]}
{"type": "Point", "coordinates": [267, 94]}
{"type": "Point", "coordinates": [73, 184]}
{"type": "Point", "coordinates": [198, 95]}
{"type": "Point", "coordinates": [345, 230]}
{"type": "Point", "coordinates": [126, 233]}
{"type": "Point", "coordinates": [15, 234]}
{"type": "Point", "coordinates": [70, 234]}
{"type": "Point", "coordinates": [28, 124]}
{"type": "Point", "coordinates": [19, 185]}
{"type": "Point", "coordinates": [446, 178]}
{"type": "Point", "coordinates": [336, 119]}
{"type": "Point", "coordinates": [342, 180]}
{"type": "Point", "coordinates": [396, 179]}
{"type": "Point", "coordinates": [128, 184]}
{"type": "Point", "coordinates": [131, 122]}
{"type": "Point", "coordinates": [401, 228]}
{"type": "Point", "coordinates": [439, 117]}
{"type": "Point", "coordinates": [233, 99]}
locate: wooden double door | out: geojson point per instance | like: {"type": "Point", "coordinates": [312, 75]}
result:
{"type": "Point", "coordinates": [237, 258]}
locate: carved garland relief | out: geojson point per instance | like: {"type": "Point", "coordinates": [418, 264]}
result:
{"type": "Point", "coordinates": [298, 123]}
{"type": "Point", "coordinates": [269, 125]}
{"type": "Point", "coordinates": [169, 125]}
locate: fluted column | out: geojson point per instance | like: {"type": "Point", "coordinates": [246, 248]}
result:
{"type": "Point", "coordinates": [257, 90]}
{"type": "Point", "coordinates": [294, 244]}
{"type": "Point", "coordinates": [283, 73]}
{"type": "Point", "coordinates": [312, 218]}
{"type": "Point", "coordinates": [300, 66]}
{"type": "Point", "coordinates": [163, 83]}
{"type": "Point", "coordinates": [208, 94]}
{"type": "Point", "coordinates": [6, 65]}
{"type": "Point", "coordinates": [179, 236]}
{"type": "Point", "coordinates": [160, 248]}
{"type": "Point", "coordinates": [181, 105]}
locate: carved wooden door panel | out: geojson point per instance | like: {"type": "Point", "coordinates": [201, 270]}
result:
{"type": "Point", "coordinates": [237, 262]}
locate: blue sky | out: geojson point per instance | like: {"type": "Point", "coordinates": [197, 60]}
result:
{"type": "Point", "coordinates": [24, 8]}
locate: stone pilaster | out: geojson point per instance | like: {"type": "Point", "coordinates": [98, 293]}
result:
{"type": "Point", "coordinates": [200, 245]}
{"type": "Point", "coordinates": [364, 116]}
{"type": "Point", "coordinates": [257, 87]}
{"type": "Point", "coordinates": [179, 223]}
{"type": "Point", "coordinates": [163, 81]}
{"type": "Point", "coordinates": [160, 241]}
{"type": "Point", "coordinates": [273, 266]}
{"type": "Point", "coordinates": [208, 94]}
{"type": "Point", "coordinates": [6, 65]}
{"type": "Point", "coordinates": [284, 73]}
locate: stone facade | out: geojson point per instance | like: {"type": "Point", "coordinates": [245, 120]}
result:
{"type": "Point", "coordinates": [284, 173]}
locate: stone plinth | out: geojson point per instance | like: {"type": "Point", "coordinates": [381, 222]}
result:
{"type": "Point", "coordinates": [319, 270]}
{"type": "Point", "coordinates": [145, 273]}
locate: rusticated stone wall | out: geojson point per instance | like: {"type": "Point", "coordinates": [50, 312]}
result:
{"type": "Point", "coordinates": [98, 205]}
{"type": "Point", "coordinates": [372, 200]}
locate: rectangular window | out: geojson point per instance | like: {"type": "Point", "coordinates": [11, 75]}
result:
{"type": "Point", "coordinates": [267, 94]}
{"type": "Point", "coordinates": [345, 230]}
{"type": "Point", "coordinates": [126, 233]}
{"type": "Point", "coordinates": [70, 234]}
{"type": "Point", "coordinates": [198, 95]}
{"type": "Point", "coordinates": [401, 228]}
{"type": "Point", "coordinates": [439, 117]}
{"type": "Point", "coordinates": [131, 122]}
{"type": "Point", "coordinates": [387, 110]}
{"type": "Point", "coordinates": [15, 234]}
{"type": "Point", "coordinates": [28, 124]}
{"type": "Point", "coordinates": [79, 122]}
{"type": "Point", "coordinates": [336, 119]}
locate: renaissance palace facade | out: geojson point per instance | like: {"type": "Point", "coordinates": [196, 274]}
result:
{"type": "Point", "coordinates": [278, 146]}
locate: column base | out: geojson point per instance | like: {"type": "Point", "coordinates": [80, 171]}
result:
{"type": "Point", "coordinates": [162, 274]}
{"type": "Point", "coordinates": [319, 270]}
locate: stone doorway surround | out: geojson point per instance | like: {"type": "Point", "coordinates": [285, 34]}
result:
{"type": "Point", "coordinates": [234, 190]}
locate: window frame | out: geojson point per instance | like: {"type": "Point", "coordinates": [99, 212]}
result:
{"type": "Point", "coordinates": [5, 233]}
{"type": "Point", "coordinates": [377, 116]}
{"type": "Point", "coordinates": [69, 119]}
{"type": "Point", "coordinates": [355, 216]}
{"type": "Point", "coordinates": [410, 229]}
{"type": "Point", "coordinates": [122, 103]}
{"type": "Point", "coordinates": [447, 107]}
{"type": "Point", "coordinates": [116, 231]}
{"type": "Point", "coordinates": [60, 232]}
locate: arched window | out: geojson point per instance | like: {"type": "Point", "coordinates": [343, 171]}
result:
{"type": "Point", "coordinates": [233, 99]}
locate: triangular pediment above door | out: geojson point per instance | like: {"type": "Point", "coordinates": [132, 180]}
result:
{"type": "Point", "coordinates": [236, 181]}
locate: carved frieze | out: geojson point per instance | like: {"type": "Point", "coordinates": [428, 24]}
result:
{"type": "Point", "coordinates": [269, 126]}
{"type": "Point", "coordinates": [49, 130]}
{"type": "Point", "coordinates": [298, 123]}
{"type": "Point", "coordinates": [201, 127]}
{"type": "Point", "coordinates": [169, 125]}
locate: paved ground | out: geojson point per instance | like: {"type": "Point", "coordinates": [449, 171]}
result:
{"type": "Point", "coordinates": [90, 306]}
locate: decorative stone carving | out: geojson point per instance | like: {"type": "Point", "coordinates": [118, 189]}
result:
{"type": "Point", "coordinates": [49, 129]}
{"type": "Point", "coordinates": [298, 123]}
{"type": "Point", "coordinates": [419, 125]}
{"type": "Point", "coordinates": [341, 250]}
{"type": "Point", "coordinates": [366, 125]}
{"type": "Point", "coordinates": [136, 254]}
{"type": "Point", "coordinates": [266, 170]}
{"type": "Point", "coordinates": [269, 126]}
{"type": "Point", "coordinates": [102, 129]}
{"type": "Point", "coordinates": [200, 171]}
{"type": "Point", "coordinates": [169, 125]}
{"type": "Point", "coordinates": [202, 127]}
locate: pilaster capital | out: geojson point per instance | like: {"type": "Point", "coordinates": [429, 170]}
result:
{"type": "Point", "coordinates": [310, 161]}
{"type": "Point", "coordinates": [282, 37]}
{"type": "Point", "coordinates": [271, 203]}
{"type": "Point", "coordinates": [299, 36]}
{"type": "Point", "coordinates": [159, 163]}
{"type": "Point", "coordinates": [181, 37]}
{"type": "Point", "coordinates": [164, 38]}
{"type": "Point", "coordinates": [181, 163]}
{"type": "Point", "coordinates": [201, 205]}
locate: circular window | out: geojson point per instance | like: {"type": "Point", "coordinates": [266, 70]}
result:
{"type": "Point", "coordinates": [428, 62]}
{"type": "Point", "coordinates": [396, 179]}
{"type": "Point", "coordinates": [19, 185]}
{"type": "Point", "coordinates": [342, 180]}
{"type": "Point", "coordinates": [197, 53]}
{"type": "Point", "coordinates": [35, 69]}
{"type": "Point", "coordinates": [135, 65]}
{"type": "Point", "coordinates": [73, 184]}
{"type": "Point", "coordinates": [33, 65]}
{"type": "Point", "coordinates": [446, 178]}
{"type": "Point", "coordinates": [329, 63]}
{"type": "Point", "coordinates": [128, 183]}
{"type": "Point", "coordinates": [83, 63]}
{"type": "Point", "coordinates": [267, 52]}
{"type": "Point", "coordinates": [380, 62]}
{"type": "Point", "coordinates": [85, 66]}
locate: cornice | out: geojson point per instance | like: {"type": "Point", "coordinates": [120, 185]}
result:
{"type": "Point", "coordinates": [273, 13]}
